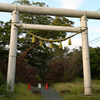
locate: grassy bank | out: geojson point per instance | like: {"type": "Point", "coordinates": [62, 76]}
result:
{"type": "Point", "coordinates": [77, 90]}
{"type": "Point", "coordinates": [22, 93]}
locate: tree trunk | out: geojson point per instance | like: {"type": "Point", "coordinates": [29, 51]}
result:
{"type": "Point", "coordinates": [22, 56]}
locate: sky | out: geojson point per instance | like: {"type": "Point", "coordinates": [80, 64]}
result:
{"type": "Point", "coordinates": [89, 5]}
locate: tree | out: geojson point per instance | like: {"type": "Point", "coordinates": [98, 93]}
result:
{"type": "Point", "coordinates": [95, 62]}
{"type": "Point", "coordinates": [25, 42]}
{"type": "Point", "coordinates": [76, 65]}
{"type": "Point", "coordinates": [58, 65]}
{"type": "Point", "coordinates": [26, 50]}
{"type": "Point", "coordinates": [5, 29]}
{"type": "Point", "coordinates": [41, 19]}
{"type": "Point", "coordinates": [65, 67]}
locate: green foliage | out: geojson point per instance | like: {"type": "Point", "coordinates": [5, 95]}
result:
{"type": "Point", "coordinates": [5, 29]}
{"type": "Point", "coordinates": [21, 93]}
{"type": "Point", "coordinates": [95, 62]}
{"type": "Point", "coordinates": [62, 21]}
{"type": "Point", "coordinates": [4, 91]}
{"type": "Point", "coordinates": [3, 87]}
{"type": "Point", "coordinates": [22, 2]}
{"type": "Point", "coordinates": [4, 38]}
{"type": "Point", "coordinates": [38, 77]}
{"type": "Point", "coordinates": [3, 54]}
{"type": "Point", "coordinates": [2, 80]}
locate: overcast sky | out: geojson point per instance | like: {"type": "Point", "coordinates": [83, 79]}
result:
{"type": "Point", "coordinates": [90, 5]}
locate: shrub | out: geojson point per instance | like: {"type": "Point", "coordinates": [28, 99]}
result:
{"type": "Point", "coordinates": [26, 73]}
{"type": "Point", "coordinates": [3, 87]}
{"type": "Point", "coordinates": [58, 71]}
{"type": "Point", "coordinates": [2, 80]}
{"type": "Point", "coordinates": [65, 68]}
{"type": "Point", "coordinates": [3, 68]}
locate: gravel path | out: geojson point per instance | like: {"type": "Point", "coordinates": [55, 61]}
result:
{"type": "Point", "coordinates": [50, 94]}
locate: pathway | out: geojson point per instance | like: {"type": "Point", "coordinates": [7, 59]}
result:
{"type": "Point", "coordinates": [50, 94]}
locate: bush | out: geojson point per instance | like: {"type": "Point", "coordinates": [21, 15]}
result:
{"type": "Point", "coordinates": [3, 67]}
{"type": "Point", "coordinates": [21, 93]}
{"type": "Point", "coordinates": [26, 73]}
{"type": "Point", "coordinates": [59, 71]}
{"type": "Point", "coordinates": [3, 89]}
{"type": "Point", "coordinates": [2, 80]}
{"type": "Point", "coordinates": [65, 69]}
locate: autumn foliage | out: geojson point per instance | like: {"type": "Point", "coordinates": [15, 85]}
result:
{"type": "Point", "coordinates": [65, 69]}
{"type": "Point", "coordinates": [3, 67]}
{"type": "Point", "coordinates": [59, 71]}
{"type": "Point", "coordinates": [24, 73]}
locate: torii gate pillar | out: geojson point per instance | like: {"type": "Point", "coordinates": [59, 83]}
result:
{"type": "Point", "coordinates": [12, 51]}
{"type": "Point", "coordinates": [86, 58]}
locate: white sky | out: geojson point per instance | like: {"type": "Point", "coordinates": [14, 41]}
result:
{"type": "Point", "coordinates": [90, 5]}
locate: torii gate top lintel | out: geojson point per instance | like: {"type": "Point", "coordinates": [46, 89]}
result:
{"type": "Point", "coordinates": [49, 11]}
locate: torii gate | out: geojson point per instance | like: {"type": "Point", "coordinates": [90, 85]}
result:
{"type": "Point", "coordinates": [55, 12]}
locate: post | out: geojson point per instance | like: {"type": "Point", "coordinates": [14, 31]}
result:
{"type": "Point", "coordinates": [86, 58]}
{"type": "Point", "coordinates": [12, 51]}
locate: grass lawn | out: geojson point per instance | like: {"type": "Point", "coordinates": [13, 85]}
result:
{"type": "Point", "coordinates": [77, 89]}
{"type": "Point", "coordinates": [22, 93]}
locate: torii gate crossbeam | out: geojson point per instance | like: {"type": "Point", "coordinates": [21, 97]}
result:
{"type": "Point", "coordinates": [49, 11]}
